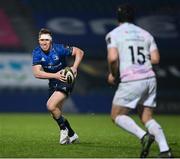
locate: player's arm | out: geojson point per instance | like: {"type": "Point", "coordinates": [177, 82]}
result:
{"type": "Point", "coordinates": [113, 64]}
{"type": "Point", "coordinates": [38, 72]}
{"type": "Point", "coordinates": [154, 53]}
{"type": "Point", "coordinates": [155, 57]}
{"type": "Point", "coordinates": [78, 54]}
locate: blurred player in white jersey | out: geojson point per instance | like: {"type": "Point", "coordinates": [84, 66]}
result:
{"type": "Point", "coordinates": [131, 53]}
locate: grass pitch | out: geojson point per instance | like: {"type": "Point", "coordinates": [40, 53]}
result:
{"type": "Point", "coordinates": [37, 135]}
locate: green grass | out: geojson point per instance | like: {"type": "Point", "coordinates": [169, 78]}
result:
{"type": "Point", "coordinates": [37, 135]}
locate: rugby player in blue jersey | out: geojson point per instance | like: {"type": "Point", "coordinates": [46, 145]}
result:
{"type": "Point", "coordinates": [49, 59]}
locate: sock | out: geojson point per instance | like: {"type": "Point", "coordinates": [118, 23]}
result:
{"type": "Point", "coordinates": [61, 122]}
{"type": "Point", "coordinates": [155, 129]}
{"type": "Point", "coordinates": [70, 132]}
{"type": "Point", "coordinates": [129, 125]}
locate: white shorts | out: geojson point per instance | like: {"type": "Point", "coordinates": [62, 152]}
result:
{"type": "Point", "coordinates": [130, 94]}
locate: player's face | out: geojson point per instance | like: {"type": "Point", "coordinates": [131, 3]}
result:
{"type": "Point", "coordinates": [45, 44]}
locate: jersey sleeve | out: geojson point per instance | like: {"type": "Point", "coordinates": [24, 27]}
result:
{"type": "Point", "coordinates": [64, 50]}
{"type": "Point", "coordinates": [153, 45]}
{"type": "Point", "coordinates": [110, 41]}
{"type": "Point", "coordinates": [36, 58]}
{"type": "Point", "coordinates": [68, 50]}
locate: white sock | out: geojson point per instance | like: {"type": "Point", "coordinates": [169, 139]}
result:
{"type": "Point", "coordinates": [129, 125]}
{"type": "Point", "coordinates": [155, 129]}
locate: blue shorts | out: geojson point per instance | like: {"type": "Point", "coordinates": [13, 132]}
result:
{"type": "Point", "coordinates": [56, 85]}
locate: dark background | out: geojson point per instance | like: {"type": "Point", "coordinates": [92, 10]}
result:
{"type": "Point", "coordinates": [84, 24]}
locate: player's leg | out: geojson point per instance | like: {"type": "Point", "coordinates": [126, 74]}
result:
{"type": "Point", "coordinates": [125, 99]}
{"type": "Point", "coordinates": [147, 140]}
{"type": "Point", "coordinates": [129, 95]}
{"type": "Point", "coordinates": [57, 100]}
{"type": "Point", "coordinates": [146, 114]}
{"type": "Point", "coordinates": [120, 117]}
{"type": "Point", "coordinates": [155, 129]}
{"type": "Point", "coordinates": [54, 105]}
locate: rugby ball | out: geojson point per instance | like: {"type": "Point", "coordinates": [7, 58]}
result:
{"type": "Point", "coordinates": [68, 73]}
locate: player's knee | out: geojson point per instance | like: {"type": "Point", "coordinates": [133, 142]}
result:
{"type": "Point", "coordinates": [146, 115]}
{"type": "Point", "coordinates": [116, 111]}
{"type": "Point", "coordinates": [113, 117]}
{"type": "Point", "coordinates": [50, 107]}
{"type": "Point", "coordinates": [145, 119]}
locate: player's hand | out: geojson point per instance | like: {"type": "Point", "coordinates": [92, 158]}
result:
{"type": "Point", "coordinates": [60, 76]}
{"type": "Point", "coordinates": [111, 79]}
{"type": "Point", "coordinates": [74, 71]}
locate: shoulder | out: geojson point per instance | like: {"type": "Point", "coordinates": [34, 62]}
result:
{"type": "Point", "coordinates": [61, 47]}
{"type": "Point", "coordinates": [58, 46]}
{"type": "Point", "coordinates": [37, 50]}
{"type": "Point", "coordinates": [113, 32]}
{"type": "Point", "coordinates": [144, 31]}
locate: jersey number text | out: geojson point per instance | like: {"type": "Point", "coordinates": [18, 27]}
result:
{"type": "Point", "coordinates": [141, 57]}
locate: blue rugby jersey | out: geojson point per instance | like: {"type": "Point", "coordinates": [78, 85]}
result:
{"type": "Point", "coordinates": [54, 60]}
